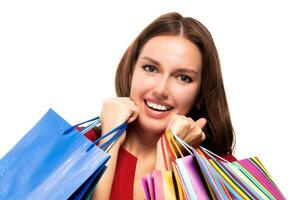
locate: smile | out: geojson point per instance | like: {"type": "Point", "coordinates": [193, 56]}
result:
{"type": "Point", "coordinates": [157, 107]}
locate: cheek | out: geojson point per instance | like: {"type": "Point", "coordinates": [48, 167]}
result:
{"type": "Point", "coordinates": [140, 84]}
{"type": "Point", "coordinates": [184, 98]}
{"type": "Point", "coordinates": [134, 87]}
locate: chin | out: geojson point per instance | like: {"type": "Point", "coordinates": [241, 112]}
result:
{"type": "Point", "coordinates": [154, 126]}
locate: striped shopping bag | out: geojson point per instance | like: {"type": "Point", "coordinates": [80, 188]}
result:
{"type": "Point", "coordinates": [159, 185]}
{"type": "Point", "coordinates": [245, 179]}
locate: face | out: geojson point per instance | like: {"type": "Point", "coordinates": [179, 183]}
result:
{"type": "Point", "coordinates": [165, 81]}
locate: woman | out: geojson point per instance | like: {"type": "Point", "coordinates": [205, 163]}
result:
{"type": "Point", "coordinates": [168, 78]}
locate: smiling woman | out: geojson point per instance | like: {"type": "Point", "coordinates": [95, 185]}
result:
{"type": "Point", "coordinates": [168, 78]}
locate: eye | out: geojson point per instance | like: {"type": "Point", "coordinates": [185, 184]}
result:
{"type": "Point", "coordinates": [150, 68]}
{"type": "Point", "coordinates": [184, 78]}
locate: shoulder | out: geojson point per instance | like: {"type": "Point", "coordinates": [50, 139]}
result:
{"type": "Point", "coordinates": [229, 157]}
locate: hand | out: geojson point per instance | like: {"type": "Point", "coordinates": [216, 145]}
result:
{"type": "Point", "coordinates": [116, 111]}
{"type": "Point", "coordinates": [187, 129]}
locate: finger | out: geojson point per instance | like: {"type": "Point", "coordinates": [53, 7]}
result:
{"type": "Point", "coordinates": [195, 139]}
{"type": "Point", "coordinates": [171, 122]}
{"type": "Point", "coordinates": [201, 122]}
{"type": "Point", "coordinates": [181, 126]}
{"type": "Point", "coordinates": [195, 135]}
{"type": "Point", "coordinates": [125, 101]}
{"type": "Point", "coordinates": [203, 136]}
{"type": "Point", "coordinates": [190, 127]}
{"type": "Point", "coordinates": [176, 125]}
{"type": "Point", "coordinates": [123, 98]}
{"type": "Point", "coordinates": [191, 124]}
{"type": "Point", "coordinates": [134, 113]}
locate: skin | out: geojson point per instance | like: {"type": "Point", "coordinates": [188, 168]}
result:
{"type": "Point", "coordinates": [168, 73]}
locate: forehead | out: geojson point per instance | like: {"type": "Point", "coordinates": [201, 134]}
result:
{"type": "Point", "coordinates": [174, 51]}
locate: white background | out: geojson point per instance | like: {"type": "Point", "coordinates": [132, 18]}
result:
{"type": "Point", "coordinates": [63, 55]}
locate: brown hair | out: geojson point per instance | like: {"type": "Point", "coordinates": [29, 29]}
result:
{"type": "Point", "coordinates": [211, 102]}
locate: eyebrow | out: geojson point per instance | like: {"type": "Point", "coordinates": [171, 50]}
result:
{"type": "Point", "coordinates": [155, 62]}
{"type": "Point", "coordinates": [152, 60]}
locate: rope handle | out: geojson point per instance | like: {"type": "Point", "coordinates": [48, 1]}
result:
{"type": "Point", "coordinates": [94, 122]}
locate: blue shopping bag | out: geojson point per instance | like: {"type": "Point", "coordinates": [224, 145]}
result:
{"type": "Point", "coordinates": [53, 161]}
{"type": "Point", "coordinates": [86, 190]}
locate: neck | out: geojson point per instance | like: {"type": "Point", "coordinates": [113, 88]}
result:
{"type": "Point", "coordinates": [140, 142]}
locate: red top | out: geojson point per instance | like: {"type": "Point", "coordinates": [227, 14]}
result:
{"type": "Point", "coordinates": [122, 187]}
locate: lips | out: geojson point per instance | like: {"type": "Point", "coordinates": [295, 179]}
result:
{"type": "Point", "coordinates": [156, 110]}
{"type": "Point", "coordinates": [161, 107]}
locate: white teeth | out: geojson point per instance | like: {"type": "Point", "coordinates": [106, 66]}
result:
{"type": "Point", "coordinates": [160, 107]}
{"type": "Point", "coordinates": [157, 106]}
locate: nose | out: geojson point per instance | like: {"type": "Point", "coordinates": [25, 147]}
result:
{"type": "Point", "coordinates": [161, 90]}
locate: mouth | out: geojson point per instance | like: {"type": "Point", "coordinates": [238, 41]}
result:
{"type": "Point", "coordinates": [157, 106]}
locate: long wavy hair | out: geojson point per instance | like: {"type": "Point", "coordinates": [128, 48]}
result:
{"type": "Point", "coordinates": [211, 102]}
